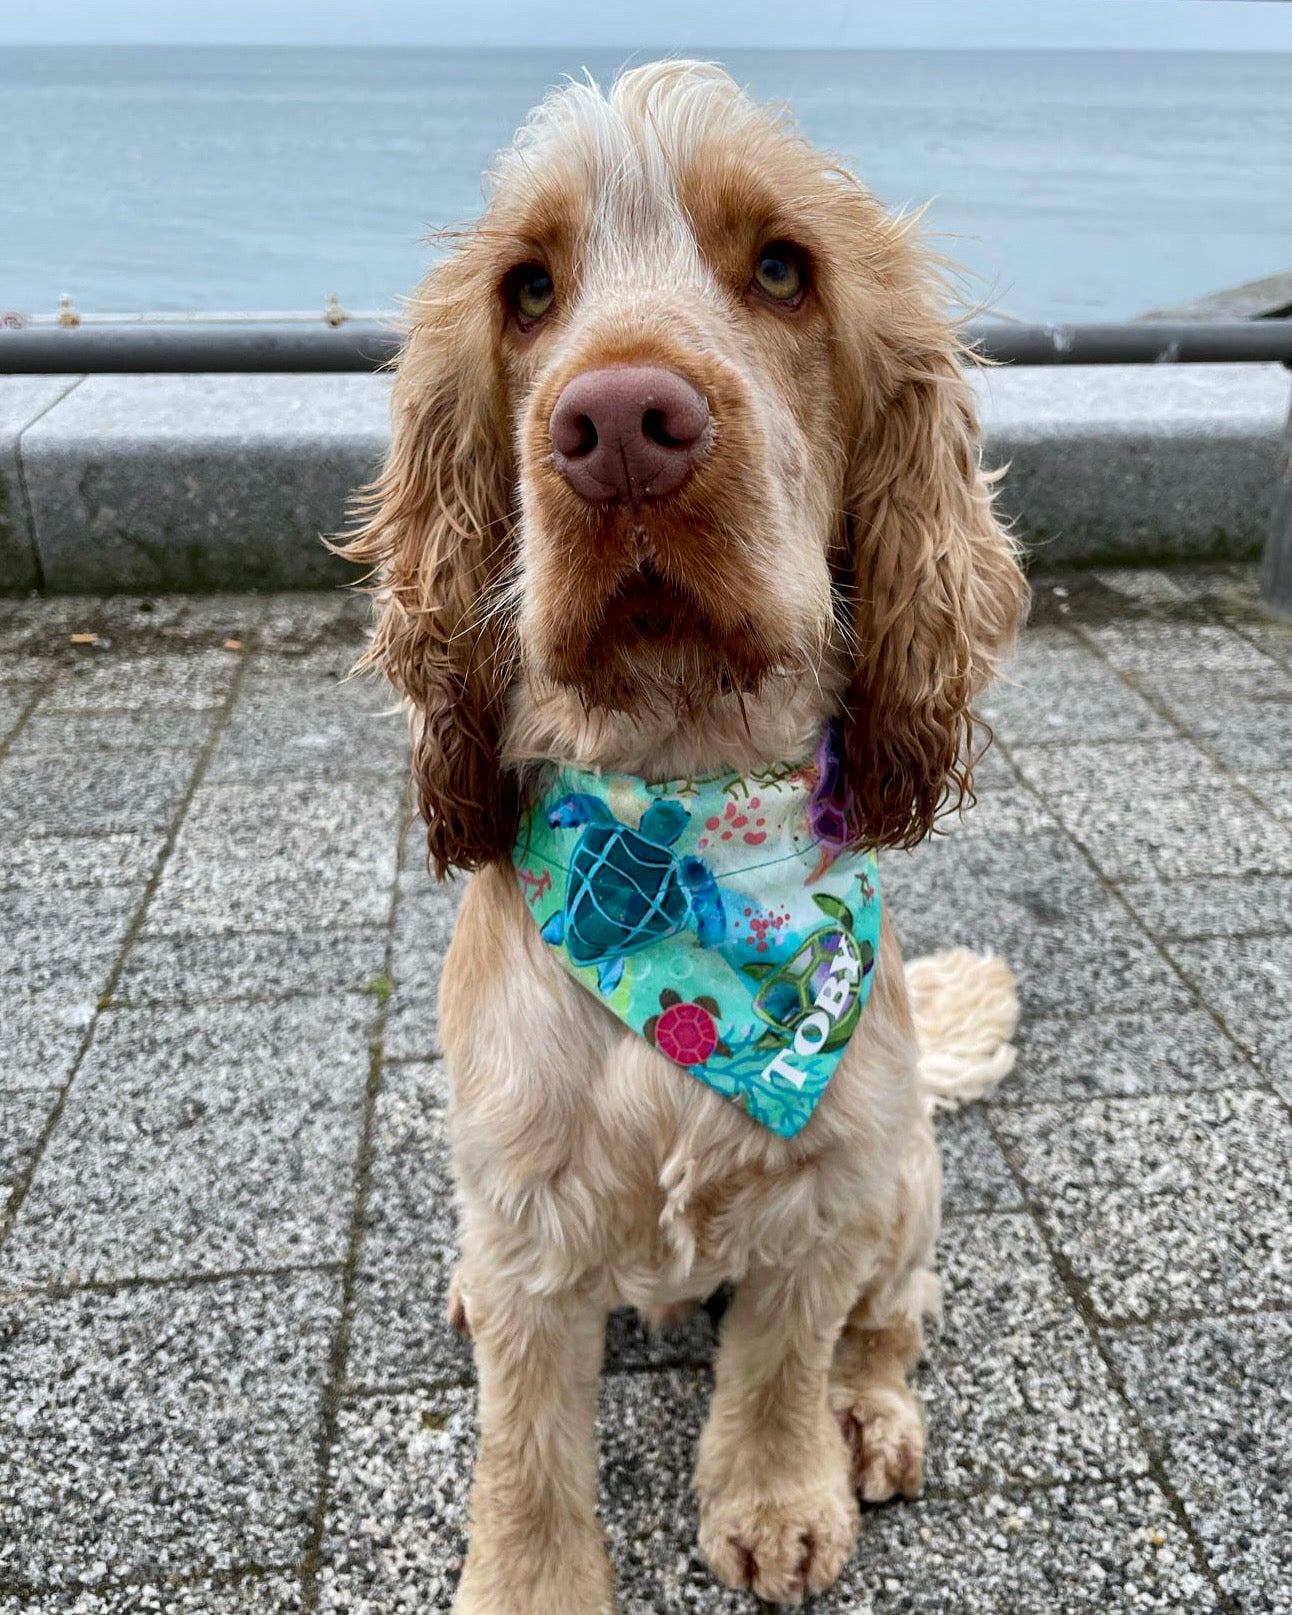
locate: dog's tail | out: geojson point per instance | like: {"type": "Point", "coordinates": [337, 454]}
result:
{"type": "Point", "coordinates": [965, 1006]}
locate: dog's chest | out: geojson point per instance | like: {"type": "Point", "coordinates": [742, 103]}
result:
{"type": "Point", "coordinates": [650, 1181]}
{"type": "Point", "coordinates": [612, 1158]}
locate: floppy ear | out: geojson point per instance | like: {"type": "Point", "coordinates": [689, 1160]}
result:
{"type": "Point", "coordinates": [436, 524]}
{"type": "Point", "coordinates": [936, 590]}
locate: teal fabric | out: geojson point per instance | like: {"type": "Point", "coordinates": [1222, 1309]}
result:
{"type": "Point", "coordinates": [718, 918]}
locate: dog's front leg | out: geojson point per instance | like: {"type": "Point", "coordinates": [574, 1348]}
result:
{"type": "Point", "coordinates": [777, 1511]}
{"type": "Point", "coordinates": [536, 1547]}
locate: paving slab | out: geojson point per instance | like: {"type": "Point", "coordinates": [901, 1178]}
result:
{"type": "Point", "coordinates": [1218, 906]}
{"type": "Point", "coordinates": [1273, 635]}
{"type": "Point", "coordinates": [1054, 690]}
{"type": "Point", "coordinates": [23, 1114]}
{"type": "Point", "coordinates": [400, 1334]}
{"type": "Point", "coordinates": [1013, 1386]}
{"type": "Point", "coordinates": [297, 727]}
{"type": "Point", "coordinates": [168, 1429]}
{"type": "Point", "coordinates": [1251, 992]}
{"type": "Point", "coordinates": [1089, 1057]}
{"type": "Point", "coordinates": [1274, 792]}
{"type": "Point", "coordinates": [60, 951]}
{"type": "Point", "coordinates": [1156, 648]}
{"type": "Point", "coordinates": [1063, 1551]}
{"type": "Point", "coordinates": [410, 1107]}
{"type": "Point", "coordinates": [62, 946]}
{"type": "Point", "coordinates": [975, 1175]}
{"type": "Point", "coordinates": [1163, 1204]}
{"type": "Point", "coordinates": [253, 965]}
{"type": "Point", "coordinates": [131, 625]}
{"type": "Point", "coordinates": [36, 673]}
{"type": "Point", "coordinates": [39, 1042]}
{"type": "Point", "coordinates": [1004, 805]}
{"type": "Point", "coordinates": [253, 1593]}
{"type": "Point", "coordinates": [200, 679]}
{"type": "Point", "coordinates": [631, 1343]}
{"type": "Point", "coordinates": [1157, 808]}
{"type": "Point", "coordinates": [61, 734]}
{"type": "Point", "coordinates": [1216, 1399]}
{"type": "Point", "coordinates": [1036, 901]}
{"type": "Point", "coordinates": [1244, 721]}
{"type": "Point", "coordinates": [196, 1142]}
{"type": "Point", "coordinates": [61, 863]}
{"type": "Point", "coordinates": [423, 928]}
{"type": "Point", "coordinates": [395, 1534]}
{"type": "Point", "coordinates": [76, 792]}
{"type": "Point", "coordinates": [296, 623]}
{"type": "Point", "coordinates": [297, 856]}
{"type": "Point", "coordinates": [15, 703]}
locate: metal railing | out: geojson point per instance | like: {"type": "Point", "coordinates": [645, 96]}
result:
{"type": "Point", "coordinates": [89, 349]}
{"type": "Point", "coordinates": [369, 344]}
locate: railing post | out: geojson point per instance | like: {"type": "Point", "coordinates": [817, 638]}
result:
{"type": "Point", "coordinates": [1276, 569]}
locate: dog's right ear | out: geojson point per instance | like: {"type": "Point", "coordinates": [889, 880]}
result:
{"type": "Point", "coordinates": [436, 527]}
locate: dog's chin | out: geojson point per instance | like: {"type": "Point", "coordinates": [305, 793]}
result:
{"type": "Point", "coordinates": [655, 647]}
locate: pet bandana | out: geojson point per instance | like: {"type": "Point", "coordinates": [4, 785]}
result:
{"type": "Point", "coordinates": [722, 919]}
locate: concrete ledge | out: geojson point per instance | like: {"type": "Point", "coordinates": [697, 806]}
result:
{"type": "Point", "coordinates": [151, 483]}
{"type": "Point", "coordinates": [1139, 463]}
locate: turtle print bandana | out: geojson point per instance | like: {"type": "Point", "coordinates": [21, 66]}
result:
{"type": "Point", "coordinates": [723, 919]}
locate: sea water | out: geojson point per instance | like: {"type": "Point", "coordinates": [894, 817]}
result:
{"type": "Point", "coordinates": [1073, 185]}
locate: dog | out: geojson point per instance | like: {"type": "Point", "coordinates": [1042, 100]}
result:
{"type": "Point", "coordinates": [684, 485]}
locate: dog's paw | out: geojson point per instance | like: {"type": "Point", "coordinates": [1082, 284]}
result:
{"type": "Point", "coordinates": [780, 1550]}
{"type": "Point", "coordinates": [884, 1432]}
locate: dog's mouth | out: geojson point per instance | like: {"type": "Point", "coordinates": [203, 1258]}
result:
{"type": "Point", "coordinates": [651, 608]}
{"type": "Point", "coordinates": [654, 644]}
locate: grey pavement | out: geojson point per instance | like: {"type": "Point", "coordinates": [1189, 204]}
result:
{"type": "Point", "coordinates": [226, 1222]}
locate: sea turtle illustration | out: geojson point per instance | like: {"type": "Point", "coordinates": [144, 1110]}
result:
{"type": "Point", "coordinates": [686, 1032]}
{"type": "Point", "coordinates": [789, 991]}
{"type": "Point", "coordinates": [627, 889]}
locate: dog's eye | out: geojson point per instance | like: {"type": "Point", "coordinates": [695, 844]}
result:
{"type": "Point", "coordinates": [532, 291]}
{"type": "Point", "coordinates": [779, 272]}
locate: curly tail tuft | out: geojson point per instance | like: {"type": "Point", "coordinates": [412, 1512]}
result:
{"type": "Point", "coordinates": [965, 1006]}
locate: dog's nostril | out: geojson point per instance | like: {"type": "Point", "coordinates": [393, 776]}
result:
{"type": "Point", "coordinates": [586, 439]}
{"type": "Point", "coordinates": [653, 427]}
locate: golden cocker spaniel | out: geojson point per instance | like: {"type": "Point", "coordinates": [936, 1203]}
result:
{"type": "Point", "coordinates": [685, 469]}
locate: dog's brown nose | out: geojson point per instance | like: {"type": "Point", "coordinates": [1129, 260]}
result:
{"type": "Point", "coordinates": [629, 433]}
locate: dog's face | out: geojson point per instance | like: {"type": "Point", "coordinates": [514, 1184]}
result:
{"type": "Point", "coordinates": [670, 330]}
{"type": "Point", "coordinates": [682, 416]}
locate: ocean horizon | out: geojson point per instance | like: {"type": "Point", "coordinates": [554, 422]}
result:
{"type": "Point", "coordinates": [1071, 185]}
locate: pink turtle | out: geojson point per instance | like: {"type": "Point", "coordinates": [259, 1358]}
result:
{"type": "Point", "coordinates": [686, 1033]}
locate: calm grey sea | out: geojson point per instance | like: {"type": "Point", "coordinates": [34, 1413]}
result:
{"type": "Point", "coordinates": [1075, 185]}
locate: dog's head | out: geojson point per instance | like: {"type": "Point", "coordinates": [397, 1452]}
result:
{"type": "Point", "coordinates": [681, 417]}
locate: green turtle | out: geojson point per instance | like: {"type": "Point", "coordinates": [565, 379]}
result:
{"type": "Point", "coordinates": [627, 889]}
{"type": "Point", "coordinates": [790, 992]}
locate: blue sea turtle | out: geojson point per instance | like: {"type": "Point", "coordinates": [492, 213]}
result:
{"type": "Point", "coordinates": [627, 889]}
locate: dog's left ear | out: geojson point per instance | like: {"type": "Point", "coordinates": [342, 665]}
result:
{"type": "Point", "coordinates": [936, 590]}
